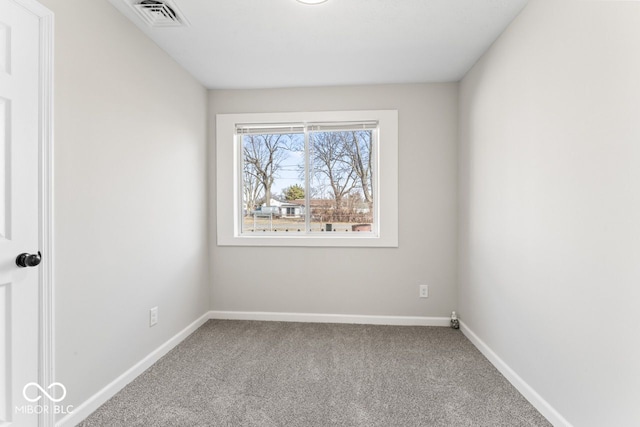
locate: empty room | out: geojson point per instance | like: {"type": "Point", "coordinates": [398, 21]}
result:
{"type": "Point", "coordinates": [319, 213]}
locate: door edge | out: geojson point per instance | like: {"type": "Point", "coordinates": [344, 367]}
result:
{"type": "Point", "coordinates": [46, 331]}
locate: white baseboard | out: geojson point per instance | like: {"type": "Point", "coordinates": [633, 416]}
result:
{"type": "Point", "coordinates": [525, 389]}
{"type": "Point", "coordinates": [330, 318]}
{"type": "Point", "coordinates": [94, 402]}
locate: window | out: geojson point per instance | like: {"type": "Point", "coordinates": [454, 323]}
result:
{"type": "Point", "coordinates": [307, 179]}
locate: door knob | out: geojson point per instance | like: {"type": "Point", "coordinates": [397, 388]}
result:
{"type": "Point", "coordinates": [28, 260]}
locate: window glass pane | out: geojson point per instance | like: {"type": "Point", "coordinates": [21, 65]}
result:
{"type": "Point", "coordinates": [273, 183]}
{"type": "Point", "coordinates": [340, 181]}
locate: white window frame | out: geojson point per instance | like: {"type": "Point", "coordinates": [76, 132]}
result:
{"type": "Point", "coordinates": [227, 181]}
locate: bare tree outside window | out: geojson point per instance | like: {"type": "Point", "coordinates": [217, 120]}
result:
{"type": "Point", "coordinates": [270, 164]}
{"type": "Point", "coordinates": [341, 180]}
{"type": "Point", "coordinates": [359, 145]}
{"type": "Point", "coordinates": [330, 165]}
{"type": "Point", "coordinates": [263, 155]}
{"type": "Point", "coordinates": [252, 189]}
{"type": "Point", "coordinates": [340, 171]}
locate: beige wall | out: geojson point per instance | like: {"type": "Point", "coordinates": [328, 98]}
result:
{"type": "Point", "coordinates": [550, 205]}
{"type": "Point", "coordinates": [130, 195]}
{"type": "Point", "coordinates": [380, 281]}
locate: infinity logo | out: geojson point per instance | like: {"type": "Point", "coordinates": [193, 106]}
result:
{"type": "Point", "coordinates": [43, 391]}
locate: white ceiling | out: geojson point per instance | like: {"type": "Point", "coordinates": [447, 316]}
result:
{"type": "Point", "coordinates": [283, 43]}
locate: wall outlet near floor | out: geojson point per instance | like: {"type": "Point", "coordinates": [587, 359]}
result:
{"type": "Point", "coordinates": [153, 316]}
{"type": "Point", "coordinates": [424, 291]}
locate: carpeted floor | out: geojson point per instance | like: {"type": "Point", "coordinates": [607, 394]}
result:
{"type": "Point", "coordinates": [241, 373]}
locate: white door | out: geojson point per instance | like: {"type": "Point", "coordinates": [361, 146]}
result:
{"type": "Point", "coordinates": [19, 211]}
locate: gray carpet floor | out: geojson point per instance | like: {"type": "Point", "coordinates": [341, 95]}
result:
{"type": "Point", "coordinates": [241, 373]}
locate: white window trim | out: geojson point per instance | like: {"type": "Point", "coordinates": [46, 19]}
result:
{"type": "Point", "coordinates": [227, 194]}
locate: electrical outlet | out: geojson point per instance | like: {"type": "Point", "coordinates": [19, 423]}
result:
{"type": "Point", "coordinates": [424, 291]}
{"type": "Point", "coordinates": [153, 316]}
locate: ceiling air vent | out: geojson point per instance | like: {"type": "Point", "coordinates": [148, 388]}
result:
{"type": "Point", "coordinates": [158, 13]}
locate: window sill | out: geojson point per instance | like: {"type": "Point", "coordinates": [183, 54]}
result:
{"type": "Point", "coordinates": [371, 241]}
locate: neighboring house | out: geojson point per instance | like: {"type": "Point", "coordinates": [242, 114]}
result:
{"type": "Point", "coordinates": [274, 202]}
{"type": "Point", "coordinates": [284, 209]}
{"type": "Point", "coordinates": [272, 209]}
{"type": "Point", "coordinates": [324, 204]}
{"type": "Point", "coordinates": [292, 210]}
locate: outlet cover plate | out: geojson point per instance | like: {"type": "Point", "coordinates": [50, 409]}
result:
{"type": "Point", "coordinates": [153, 316]}
{"type": "Point", "coordinates": [424, 291]}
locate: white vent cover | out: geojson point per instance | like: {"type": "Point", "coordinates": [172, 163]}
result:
{"type": "Point", "coordinates": [158, 13]}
